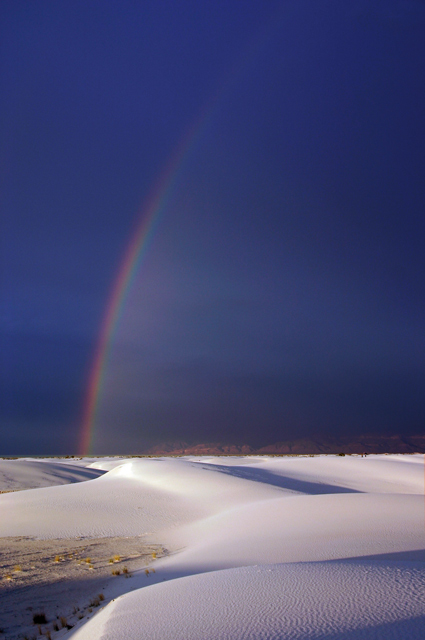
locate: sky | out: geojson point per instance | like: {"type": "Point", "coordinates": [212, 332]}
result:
{"type": "Point", "coordinates": [279, 294]}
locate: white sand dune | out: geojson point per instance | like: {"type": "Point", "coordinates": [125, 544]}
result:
{"type": "Point", "coordinates": [275, 602]}
{"type": "Point", "coordinates": [299, 519]}
{"type": "Point", "coordinates": [31, 474]}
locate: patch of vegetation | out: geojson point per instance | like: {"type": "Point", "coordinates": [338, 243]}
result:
{"type": "Point", "coordinates": [39, 618]}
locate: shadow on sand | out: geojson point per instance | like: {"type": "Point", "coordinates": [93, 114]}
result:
{"type": "Point", "coordinates": [284, 482]}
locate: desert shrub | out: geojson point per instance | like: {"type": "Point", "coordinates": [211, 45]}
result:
{"type": "Point", "coordinates": [154, 555]}
{"type": "Point", "coordinates": [63, 621]}
{"type": "Point", "coordinates": [341, 454]}
{"type": "Point", "coordinates": [17, 567]}
{"type": "Point", "coordinates": [39, 618]}
{"type": "Point", "coordinates": [116, 558]}
{"type": "Point", "coordinates": [101, 597]}
{"type": "Point", "coordinates": [116, 572]}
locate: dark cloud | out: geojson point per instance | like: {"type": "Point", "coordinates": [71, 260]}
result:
{"type": "Point", "coordinates": [282, 293]}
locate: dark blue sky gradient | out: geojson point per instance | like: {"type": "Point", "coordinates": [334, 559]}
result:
{"type": "Point", "coordinates": [282, 293]}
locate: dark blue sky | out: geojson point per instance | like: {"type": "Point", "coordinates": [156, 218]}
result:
{"type": "Point", "coordinates": [282, 294]}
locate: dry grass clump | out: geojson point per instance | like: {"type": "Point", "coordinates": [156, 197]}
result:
{"type": "Point", "coordinates": [63, 622]}
{"type": "Point", "coordinates": [116, 558]}
{"type": "Point", "coordinates": [116, 572]}
{"type": "Point", "coordinates": [17, 567]}
{"type": "Point", "coordinates": [154, 555]}
{"type": "Point", "coordinates": [96, 601]}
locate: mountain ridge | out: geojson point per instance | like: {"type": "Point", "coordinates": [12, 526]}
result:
{"type": "Point", "coordinates": [299, 446]}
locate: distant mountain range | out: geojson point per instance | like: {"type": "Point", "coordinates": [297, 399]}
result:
{"type": "Point", "coordinates": [362, 444]}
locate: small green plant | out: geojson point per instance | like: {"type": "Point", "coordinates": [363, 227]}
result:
{"type": "Point", "coordinates": [39, 618]}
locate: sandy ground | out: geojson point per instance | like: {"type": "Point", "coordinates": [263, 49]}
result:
{"type": "Point", "coordinates": [64, 578]}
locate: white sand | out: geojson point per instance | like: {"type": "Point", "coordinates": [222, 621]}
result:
{"type": "Point", "coordinates": [282, 530]}
{"type": "Point", "coordinates": [21, 474]}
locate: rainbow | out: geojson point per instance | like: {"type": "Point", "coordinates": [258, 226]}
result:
{"type": "Point", "coordinates": [135, 251]}
{"type": "Point", "coordinates": [139, 241]}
